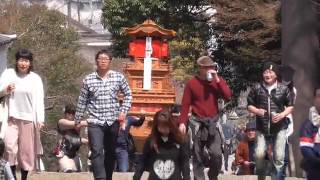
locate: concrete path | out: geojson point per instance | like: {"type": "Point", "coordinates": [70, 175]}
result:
{"type": "Point", "coordinates": [123, 176]}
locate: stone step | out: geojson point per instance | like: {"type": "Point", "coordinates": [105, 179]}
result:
{"type": "Point", "coordinates": [124, 176]}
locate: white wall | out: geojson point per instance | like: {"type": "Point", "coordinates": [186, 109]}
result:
{"type": "Point", "coordinates": [87, 13]}
{"type": "Point", "coordinates": [3, 58]}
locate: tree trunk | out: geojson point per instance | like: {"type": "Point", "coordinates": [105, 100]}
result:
{"type": "Point", "coordinates": [300, 50]}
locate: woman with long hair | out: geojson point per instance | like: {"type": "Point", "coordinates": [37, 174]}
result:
{"type": "Point", "coordinates": [165, 153]}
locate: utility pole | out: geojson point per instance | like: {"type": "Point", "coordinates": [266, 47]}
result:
{"type": "Point", "coordinates": [91, 13]}
{"type": "Point", "coordinates": [78, 8]}
{"type": "Point", "coordinates": [69, 11]}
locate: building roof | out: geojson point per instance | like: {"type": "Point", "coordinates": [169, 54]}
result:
{"type": "Point", "coordinates": [89, 37]}
{"type": "Point", "coordinates": [149, 28]}
{"type": "Point", "coordinates": [6, 39]}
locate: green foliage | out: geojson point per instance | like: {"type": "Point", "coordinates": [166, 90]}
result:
{"type": "Point", "coordinates": [248, 33]}
{"type": "Point", "coordinates": [185, 53]}
{"type": "Point", "coordinates": [122, 13]}
{"type": "Point", "coordinates": [185, 17]}
{"type": "Point", "coordinates": [177, 15]}
{"type": "Point", "coordinates": [54, 45]}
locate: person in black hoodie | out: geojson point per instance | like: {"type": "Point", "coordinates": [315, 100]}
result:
{"type": "Point", "coordinates": [165, 153]}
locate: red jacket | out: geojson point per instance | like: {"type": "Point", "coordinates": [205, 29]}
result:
{"type": "Point", "coordinates": [202, 96]}
{"type": "Point", "coordinates": [242, 154]}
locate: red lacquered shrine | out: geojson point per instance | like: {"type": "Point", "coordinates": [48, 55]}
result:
{"type": "Point", "coordinates": [162, 92]}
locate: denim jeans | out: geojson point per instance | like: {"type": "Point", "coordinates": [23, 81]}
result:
{"type": "Point", "coordinates": [102, 140]}
{"type": "Point", "coordinates": [122, 159]}
{"type": "Point", "coordinates": [278, 143]}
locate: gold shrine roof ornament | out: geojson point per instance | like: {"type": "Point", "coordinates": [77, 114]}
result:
{"type": "Point", "coordinates": [149, 29]}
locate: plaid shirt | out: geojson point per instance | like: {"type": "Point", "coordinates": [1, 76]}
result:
{"type": "Point", "coordinates": [100, 98]}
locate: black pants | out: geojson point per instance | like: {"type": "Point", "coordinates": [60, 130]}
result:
{"type": "Point", "coordinates": [102, 140]}
{"type": "Point", "coordinates": [202, 149]}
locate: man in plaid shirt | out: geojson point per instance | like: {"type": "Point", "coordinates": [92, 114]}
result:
{"type": "Point", "coordinates": [99, 96]}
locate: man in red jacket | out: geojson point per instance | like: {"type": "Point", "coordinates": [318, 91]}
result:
{"type": "Point", "coordinates": [201, 94]}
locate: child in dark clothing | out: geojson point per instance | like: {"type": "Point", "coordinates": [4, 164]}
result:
{"type": "Point", "coordinates": [165, 152]}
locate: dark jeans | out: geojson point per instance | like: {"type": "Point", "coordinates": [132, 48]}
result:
{"type": "Point", "coordinates": [102, 140]}
{"type": "Point", "coordinates": [286, 161]}
{"type": "Point", "coordinates": [213, 147]}
{"type": "Point", "coordinates": [122, 159]}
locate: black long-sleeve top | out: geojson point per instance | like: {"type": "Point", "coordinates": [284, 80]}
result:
{"type": "Point", "coordinates": [123, 134]}
{"type": "Point", "coordinates": [172, 161]}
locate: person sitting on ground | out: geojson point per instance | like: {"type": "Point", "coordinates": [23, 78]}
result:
{"type": "Point", "coordinates": [245, 150]}
{"type": "Point", "coordinates": [5, 170]}
{"type": "Point", "coordinates": [125, 145]}
{"type": "Point", "coordinates": [70, 142]}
